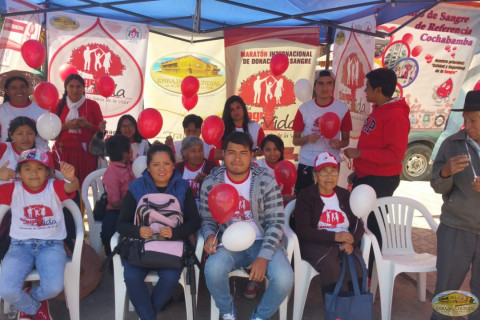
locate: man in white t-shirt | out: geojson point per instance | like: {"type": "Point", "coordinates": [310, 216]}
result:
{"type": "Point", "coordinates": [260, 205]}
{"type": "Point", "coordinates": [306, 131]}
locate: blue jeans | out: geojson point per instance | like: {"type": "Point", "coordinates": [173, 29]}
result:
{"type": "Point", "coordinates": [145, 305]}
{"type": "Point", "coordinates": [109, 227]}
{"type": "Point", "coordinates": [279, 274]}
{"type": "Point", "coordinates": [48, 257]}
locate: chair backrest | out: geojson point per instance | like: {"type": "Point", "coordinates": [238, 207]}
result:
{"type": "Point", "coordinates": [394, 216]}
{"type": "Point", "coordinates": [94, 182]}
{"type": "Point", "coordinates": [296, 245]}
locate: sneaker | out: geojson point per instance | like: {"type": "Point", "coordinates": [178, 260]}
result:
{"type": "Point", "coordinates": [256, 317]}
{"type": "Point", "coordinates": [23, 316]}
{"type": "Point", "coordinates": [228, 316]}
{"type": "Point", "coordinates": [250, 291]}
{"type": "Point", "coordinates": [43, 312]}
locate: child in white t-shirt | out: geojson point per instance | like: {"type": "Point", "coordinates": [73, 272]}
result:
{"type": "Point", "coordinates": [37, 232]}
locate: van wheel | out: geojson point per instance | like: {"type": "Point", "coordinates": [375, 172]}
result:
{"type": "Point", "coordinates": [415, 164]}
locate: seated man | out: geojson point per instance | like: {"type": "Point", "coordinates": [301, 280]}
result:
{"type": "Point", "coordinates": [261, 205]}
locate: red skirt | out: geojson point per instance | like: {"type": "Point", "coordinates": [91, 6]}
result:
{"type": "Point", "coordinates": [83, 161]}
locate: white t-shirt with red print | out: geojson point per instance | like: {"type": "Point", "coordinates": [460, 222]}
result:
{"type": "Point", "coordinates": [244, 211]}
{"type": "Point", "coordinates": [262, 163]}
{"type": "Point", "coordinates": [190, 174]}
{"type": "Point", "coordinates": [332, 217]}
{"type": "Point", "coordinates": [307, 122]}
{"type": "Point", "coordinates": [36, 214]}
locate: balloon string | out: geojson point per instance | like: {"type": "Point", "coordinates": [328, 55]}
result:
{"type": "Point", "coordinates": [215, 238]}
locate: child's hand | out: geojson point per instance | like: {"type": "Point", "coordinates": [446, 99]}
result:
{"type": "Point", "coordinates": [67, 170]}
{"type": "Point", "coordinates": [6, 174]}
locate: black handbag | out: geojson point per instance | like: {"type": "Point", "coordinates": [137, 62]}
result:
{"type": "Point", "coordinates": [348, 305]}
{"type": "Point", "coordinates": [100, 208]}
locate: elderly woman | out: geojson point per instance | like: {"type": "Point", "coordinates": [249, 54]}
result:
{"type": "Point", "coordinates": [195, 167]}
{"type": "Point", "coordinates": [81, 118]}
{"type": "Point", "coordinates": [160, 176]}
{"type": "Point", "coordinates": [325, 224]}
{"type": "Point", "coordinates": [16, 88]}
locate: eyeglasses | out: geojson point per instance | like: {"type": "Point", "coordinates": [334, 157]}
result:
{"type": "Point", "coordinates": [325, 173]}
{"type": "Point", "coordinates": [127, 126]}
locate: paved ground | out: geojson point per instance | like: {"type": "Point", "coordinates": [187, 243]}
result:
{"type": "Point", "coordinates": [100, 303]}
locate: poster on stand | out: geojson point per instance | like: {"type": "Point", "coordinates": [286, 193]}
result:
{"type": "Point", "coordinates": [99, 47]}
{"type": "Point", "coordinates": [270, 99]}
{"type": "Point", "coordinates": [169, 61]}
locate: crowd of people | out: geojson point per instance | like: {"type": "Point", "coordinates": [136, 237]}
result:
{"type": "Point", "coordinates": [189, 169]}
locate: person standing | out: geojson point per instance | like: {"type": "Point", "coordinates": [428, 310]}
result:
{"type": "Point", "coordinates": [455, 176]}
{"type": "Point", "coordinates": [377, 159]}
{"type": "Point", "coordinates": [306, 132]}
{"type": "Point", "coordinates": [260, 205]}
{"type": "Point", "coordinates": [81, 118]}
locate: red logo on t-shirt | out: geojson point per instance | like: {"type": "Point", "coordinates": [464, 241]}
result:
{"type": "Point", "coordinates": [35, 214]}
{"type": "Point", "coordinates": [332, 218]}
{"type": "Point", "coordinates": [243, 207]}
{"type": "Point", "coordinates": [316, 126]}
{"type": "Point", "coordinates": [195, 186]}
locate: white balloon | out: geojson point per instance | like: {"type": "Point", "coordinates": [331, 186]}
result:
{"type": "Point", "coordinates": [303, 90]}
{"type": "Point", "coordinates": [239, 236]}
{"type": "Point", "coordinates": [362, 200]}
{"type": "Point", "coordinates": [49, 126]}
{"type": "Point", "coordinates": [139, 165]}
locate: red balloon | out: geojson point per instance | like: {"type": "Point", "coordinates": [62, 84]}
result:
{"type": "Point", "coordinates": [223, 202]}
{"type": "Point", "coordinates": [285, 174]}
{"type": "Point", "coordinates": [33, 53]}
{"type": "Point", "coordinates": [105, 86]}
{"type": "Point", "coordinates": [46, 95]}
{"type": "Point", "coordinates": [190, 103]}
{"type": "Point", "coordinates": [190, 86]}
{"type": "Point", "coordinates": [477, 86]}
{"type": "Point", "coordinates": [212, 129]}
{"type": "Point", "coordinates": [416, 51]}
{"type": "Point", "coordinates": [279, 64]}
{"type": "Point", "coordinates": [329, 125]}
{"type": "Point", "coordinates": [66, 70]}
{"type": "Point", "coordinates": [150, 123]}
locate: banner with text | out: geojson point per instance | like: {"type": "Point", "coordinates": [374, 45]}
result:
{"type": "Point", "coordinates": [270, 99]}
{"type": "Point", "coordinates": [352, 60]}
{"type": "Point", "coordinates": [169, 60]}
{"type": "Point", "coordinates": [16, 30]}
{"type": "Point", "coordinates": [431, 57]}
{"type": "Point", "coordinates": [98, 47]}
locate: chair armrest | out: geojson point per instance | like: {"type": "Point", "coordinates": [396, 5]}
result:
{"type": "Point", "coordinates": [199, 248]}
{"type": "Point", "coordinates": [77, 218]}
{"type": "Point", "coordinates": [3, 210]}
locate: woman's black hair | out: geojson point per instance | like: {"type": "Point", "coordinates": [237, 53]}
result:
{"type": "Point", "coordinates": [227, 118]}
{"type": "Point", "coordinates": [277, 141]}
{"type": "Point", "coordinates": [137, 137]}
{"type": "Point", "coordinates": [159, 148]}
{"type": "Point", "coordinates": [18, 122]}
{"type": "Point", "coordinates": [9, 81]}
{"type": "Point", "coordinates": [65, 94]}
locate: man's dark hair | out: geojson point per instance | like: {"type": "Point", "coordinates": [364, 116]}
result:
{"type": "Point", "coordinates": [116, 145]}
{"type": "Point", "coordinates": [192, 118]}
{"type": "Point", "coordinates": [384, 78]}
{"type": "Point", "coordinates": [238, 138]}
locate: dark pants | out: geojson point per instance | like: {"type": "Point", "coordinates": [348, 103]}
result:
{"type": "Point", "coordinates": [109, 227]}
{"type": "Point", "coordinates": [304, 177]}
{"type": "Point", "coordinates": [457, 251]}
{"type": "Point", "coordinates": [384, 187]}
{"type": "Point", "coordinates": [147, 306]}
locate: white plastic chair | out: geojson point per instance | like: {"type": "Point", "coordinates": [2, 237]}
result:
{"type": "Point", "coordinates": [121, 289]}
{"type": "Point", "coordinates": [93, 181]}
{"type": "Point", "coordinates": [394, 216]}
{"type": "Point", "coordinates": [290, 237]}
{"type": "Point", "coordinates": [304, 272]}
{"type": "Point", "coordinates": [72, 268]}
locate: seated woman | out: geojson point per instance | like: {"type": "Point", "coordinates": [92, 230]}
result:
{"type": "Point", "coordinates": [127, 126]}
{"type": "Point", "coordinates": [195, 167]}
{"type": "Point", "coordinates": [325, 224]}
{"type": "Point", "coordinates": [160, 176]}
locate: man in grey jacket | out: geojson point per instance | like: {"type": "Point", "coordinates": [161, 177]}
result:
{"type": "Point", "coordinates": [261, 205]}
{"type": "Point", "coordinates": [455, 176]}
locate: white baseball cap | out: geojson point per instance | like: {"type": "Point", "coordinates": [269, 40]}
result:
{"type": "Point", "coordinates": [325, 159]}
